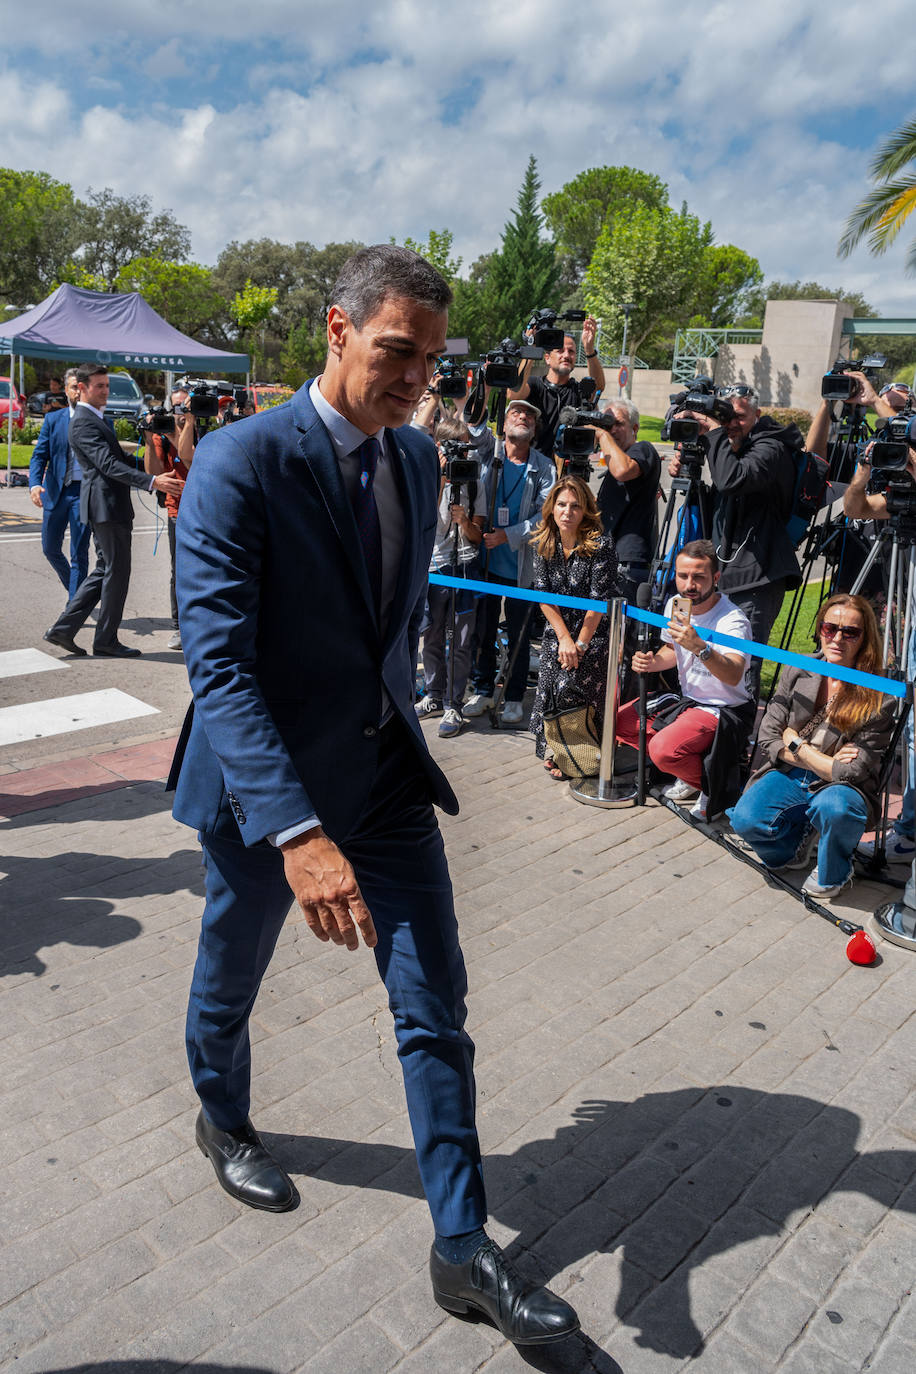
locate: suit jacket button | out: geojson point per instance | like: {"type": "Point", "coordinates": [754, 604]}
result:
{"type": "Point", "coordinates": [370, 731]}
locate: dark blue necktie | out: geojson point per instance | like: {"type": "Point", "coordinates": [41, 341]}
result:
{"type": "Point", "coordinates": [366, 513]}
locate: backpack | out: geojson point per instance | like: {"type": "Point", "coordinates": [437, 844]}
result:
{"type": "Point", "coordinates": [808, 495]}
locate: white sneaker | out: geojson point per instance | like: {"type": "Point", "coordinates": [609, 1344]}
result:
{"type": "Point", "coordinates": [899, 849]}
{"type": "Point", "coordinates": [428, 706]}
{"type": "Point", "coordinates": [681, 791]}
{"type": "Point", "coordinates": [813, 888]}
{"type": "Point", "coordinates": [513, 713]}
{"type": "Point", "coordinates": [477, 705]}
{"type": "Point", "coordinates": [700, 808]}
{"type": "Point", "coordinates": [452, 723]}
{"type": "Point", "coordinates": [174, 640]}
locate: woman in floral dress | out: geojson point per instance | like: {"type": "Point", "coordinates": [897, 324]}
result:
{"type": "Point", "coordinates": [572, 558]}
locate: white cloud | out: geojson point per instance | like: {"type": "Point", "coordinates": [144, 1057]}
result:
{"type": "Point", "coordinates": [332, 128]}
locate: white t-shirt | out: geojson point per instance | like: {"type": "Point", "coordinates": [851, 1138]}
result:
{"type": "Point", "coordinates": [695, 678]}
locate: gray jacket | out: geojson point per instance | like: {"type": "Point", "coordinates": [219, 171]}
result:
{"type": "Point", "coordinates": [540, 478]}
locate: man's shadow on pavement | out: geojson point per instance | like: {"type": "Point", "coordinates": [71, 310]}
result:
{"type": "Point", "coordinates": [72, 897]}
{"type": "Point", "coordinates": [671, 1180]}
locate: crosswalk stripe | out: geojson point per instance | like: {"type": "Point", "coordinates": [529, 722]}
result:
{"type": "Point", "coordinates": [58, 716]}
{"type": "Point", "coordinates": [18, 662]}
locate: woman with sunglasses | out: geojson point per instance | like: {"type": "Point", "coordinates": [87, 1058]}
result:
{"type": "Point", "coordinates": [824, 741]}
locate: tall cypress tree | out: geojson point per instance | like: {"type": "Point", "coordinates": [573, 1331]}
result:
{"type": "Point", "coordinates": [524, 273]}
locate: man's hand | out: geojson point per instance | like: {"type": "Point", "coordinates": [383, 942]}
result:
{"type": "Point", "coordinates": [168, 483]}
{"type": "Point", "coordinates": [495, 538]}
{"type": "Point", "coordinates": [458, 514]}
{"type": "Point", "coordinates": [325, 886]}
{"type": "Point", "coordinates": [642, 663]}
{"type": "Point", "coordinates": [865, 394]}
{"type": "Point", "coordinates": [589, 334]}
{"type": "Point", "coordinates": [686, 637]}
{"type": "Point", "coordinates": [35, 495]}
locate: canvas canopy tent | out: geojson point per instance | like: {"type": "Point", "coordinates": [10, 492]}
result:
{"type": "Point", "coordinates": [117, 330]}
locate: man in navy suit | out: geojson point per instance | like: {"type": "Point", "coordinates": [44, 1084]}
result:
{"type": "Point", "coordinates": [303, 545]}
{"type": "Point", "coordinates": [54, 486]}
{"type": "Point", "coordinates": [105, 504]}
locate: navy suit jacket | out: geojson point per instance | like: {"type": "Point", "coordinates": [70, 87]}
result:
{"type": "Point", "coordinates": [279, 630]}
{"type": "Point", "coordinates": [48, 463]}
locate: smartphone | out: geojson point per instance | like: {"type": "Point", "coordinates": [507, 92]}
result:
{"type": "Point", "coordinates": [680, 610]}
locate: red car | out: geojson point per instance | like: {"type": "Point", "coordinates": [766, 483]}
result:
{"type": "Point", "coordinates": [17, 404]}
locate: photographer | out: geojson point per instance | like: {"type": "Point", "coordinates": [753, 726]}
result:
{"type": "Point", "coordinates": [559, 388]}
{"type": "Point", "coordinates": [628, 493]}
{"type": "Point", "coordinates": [516, 490]}
{"type": "Point", "coordinates": [172, 452]}
{"type": "Point", "coordinates": [753, 474]}
{"type": "Point", "coordinates": [860, 504]}
{"type": "Point", "coordinates": [459, 531]}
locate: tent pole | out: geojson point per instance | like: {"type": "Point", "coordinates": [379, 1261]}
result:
{"type": "Point", "coordinates": [9, 421]}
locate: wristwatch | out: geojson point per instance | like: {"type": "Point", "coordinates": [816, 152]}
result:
{"type": "Point", "coordinates": [592, 355]}
{"type": "Point", "coordinates": [795, 744]}
{"type": "Point", "coordinates": [705, 653]}
{"type": "Point", "coordinates": [581, 645]}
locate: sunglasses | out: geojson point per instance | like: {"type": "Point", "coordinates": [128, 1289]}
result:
{"type": "Point", "coordinates": [737, 391]}
{"type": "Point", "coordinates": [831, 631]}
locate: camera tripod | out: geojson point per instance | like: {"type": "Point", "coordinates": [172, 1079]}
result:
{"type": "Point", "coordinates": [688, 494]}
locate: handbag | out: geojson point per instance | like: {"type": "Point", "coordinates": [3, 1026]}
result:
{"type": "Point", "coordinates": [571, 732]}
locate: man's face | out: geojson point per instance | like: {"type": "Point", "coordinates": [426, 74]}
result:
{"type": "Point", "coordinates": [95, 391]}
{"type": "Point", "coordinates": [54, 386]}
{"type": "Point", "coordinates": [71, 386]}
{"type": "Point", "coordinates": [695, 578]}
{"type": "Point", "coordinates": [562, 360]}
{"type": "Point", "coordinates": [384, 367]}
{"type": "Point", "coordinates": [623, 432]}
{"type": "Point", "coordinates": [746, 416]}
{"type": "Point", "coordinates": [520, 424]}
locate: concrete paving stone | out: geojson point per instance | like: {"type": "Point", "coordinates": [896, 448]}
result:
{"type": "Point", "coordinates": [894, 1154]}
{"type": "Point", "coordinates": [814, 1256]}
{"type": "Point", "coordinates": [108, 1326]}
{"type": "Point", "coordinates": [409, 1315]}
{"type": "Point", "coordinates": [30, 1260]}
{"type": "Point", "coordinates": [903, 1327]}
{"type": "Point", "coordinates": [161, 1108]}
{"type": "Point", "coordinates": [25, 1212]}
{"type": "Point", "coordinates": [659, 1239]}
{"type": "Point", "coordinates": [741, 1243]}
{"type": "Point", "coordinates": [51, 1159]}
{"type": "Point", "coordinates": [866, 1313]}
{"type": "Point", "coordinates": [893, 1357]}
{"type": "Point", "coordinates": [189, 1222]}
{"type": "Point", "coordinates": [771, 1317]}
{"type": "Point", "coordinates": [632, 1355]}
{"type": "Point", "coordinates": [859, 1199]}
{"type": "Point", "coordinates": [281, 1339]}
{"type": "Point", "coordinates": [633, 1189]}
{"type": "Point", "coordinates": [23, 1324]}
{"type": "Point", "coordinates": [365, 1275]}
{"type": "Point", "coordinates": [132, 1158]}
{"type": "Point", "coordinates": [888, 1260]}
{"type": "Point", "coordinates": [459, 1346]}
{"type": "Point", "coordinates": [714, 1183]}
{"type": "Point", "coordinates": [65, 1295]}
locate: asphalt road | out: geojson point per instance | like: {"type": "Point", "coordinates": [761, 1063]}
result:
{"type": "Point", "coordinates": [33, 598]}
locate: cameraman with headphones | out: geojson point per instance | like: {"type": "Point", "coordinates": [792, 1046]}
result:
{"type": "Point", "coordinates": [860, 504]}
{"type": "Point", "coordinates": [173, 453]}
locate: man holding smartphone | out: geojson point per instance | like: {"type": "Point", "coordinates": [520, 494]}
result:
{"type": "Point", "coordinates": [711, 679]}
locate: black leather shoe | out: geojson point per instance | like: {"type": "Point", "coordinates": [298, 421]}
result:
{"type": "Point", "coordinates": [245, 1168]}
{"type": "Point", "coordinates": [116, 650]}
{"type": "Point", "coordinates": [62, 641]}
{"type": "Point", "coordinates": [525, 1313]}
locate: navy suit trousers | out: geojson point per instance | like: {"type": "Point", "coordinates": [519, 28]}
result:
{"type": "Point", "coordinates": [398, 856]}
{"type": "Point", "coordinates": [54, 522]}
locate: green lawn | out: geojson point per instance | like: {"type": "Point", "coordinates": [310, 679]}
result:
{"type": "Point", "coordinates": [801, 641]}
{"type": "Point", "coordinates": [22, 454]}
{"type": "Point", "coordinates": [650, 428]}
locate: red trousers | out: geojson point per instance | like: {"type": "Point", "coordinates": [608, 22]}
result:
{"type": "Point", "coordinates": [679, 748]}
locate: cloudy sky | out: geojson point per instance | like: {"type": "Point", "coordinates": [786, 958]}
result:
{"type": "Point", "coordinates": [295, 119]}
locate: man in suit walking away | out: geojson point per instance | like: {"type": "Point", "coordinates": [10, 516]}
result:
{"type": "Point", "coordinates": [54, 486]}
{"type": "Point", "coordinates": [303, 547]}
{"type": "Point", "coordinates": [105, 504]}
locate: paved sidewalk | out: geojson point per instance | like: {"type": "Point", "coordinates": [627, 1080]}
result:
{"type": "Point", "coordinates": [699, 1120]}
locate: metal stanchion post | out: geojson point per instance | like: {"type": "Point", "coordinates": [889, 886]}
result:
{"type": "Point", "coordinates": [603, 791]}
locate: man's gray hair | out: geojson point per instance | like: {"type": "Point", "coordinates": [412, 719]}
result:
{"type": "Point", "coordinates": [373, 275]}
{"type": "Point", "coordinates": [626, 405]}
{"type": "Point", "coordinates": [70, 372]}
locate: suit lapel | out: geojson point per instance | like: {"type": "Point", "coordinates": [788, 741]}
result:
{"type": "Point", "coordinates": [405, 477]}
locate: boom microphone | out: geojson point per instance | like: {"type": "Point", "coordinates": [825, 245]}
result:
{"type": "Point", "coordinates": [644, 644]}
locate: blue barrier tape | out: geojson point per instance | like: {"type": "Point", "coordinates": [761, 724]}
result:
{"type": "Point", "coordinates": [892, 687]}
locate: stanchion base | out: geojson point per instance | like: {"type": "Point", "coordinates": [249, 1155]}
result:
{"type": "Point", "coordinates": [592, 792]}
{"type": "Point", "coordinates": [881, 925]}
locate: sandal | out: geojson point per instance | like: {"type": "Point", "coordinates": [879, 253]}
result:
{"type": "Point", "coordinates": [551, 768]}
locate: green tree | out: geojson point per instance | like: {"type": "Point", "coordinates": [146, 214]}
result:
{"type": "Point", "coordinates": [304, 353]}
{"type": "Point", "coordinates": [523, 274]}
{"type": "Point", "coordinates": [181, 292]}
{"type": "Point", "coordinates": [882, 213]}
{"type": "Point", "coordinates": [39, 233]}
{"type": "Point", "coordinates": [650, 258]}
{"type": "Point", "coordinates": [725, 285]}
{"type": "Point", "coordinates": [436, 251]}
{"type": "Point", "coordinates": [577, 213]}
{"type": "Point", "coordinates": [250, 307]}
{"type": "Point", "coordinates": [800, 291]}
{"type": "Point", "coordinates": [115, 230]}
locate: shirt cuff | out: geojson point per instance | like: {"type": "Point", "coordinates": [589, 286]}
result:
{"type": "Point", "coordinates": [300, 828]}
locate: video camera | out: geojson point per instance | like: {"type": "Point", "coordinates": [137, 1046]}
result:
{"type": "Point", "coordinates": [500, 366]}
{"type": "Point", "coordinates": [575, 438]}
{"type": "Point", "coordinates": [837, 385]}
{"type": "Point", "coordinates": [543, 327]}
{"type": "Point", "coordinates": [452, 381]}
{"type": "Point", "coordinates": [204, 397]}
{"type": "Point", "coordinates": [459, 469]}
{"type": "Point", "coordinates": [703, 398]}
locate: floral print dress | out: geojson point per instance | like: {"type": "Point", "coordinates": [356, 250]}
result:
{"type": "Point", "coordinates": [592, 577]}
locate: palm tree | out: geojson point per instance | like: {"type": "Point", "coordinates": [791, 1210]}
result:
{"type": "Point", "coordinates": [882, 213]}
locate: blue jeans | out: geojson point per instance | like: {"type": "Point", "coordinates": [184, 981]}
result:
{"type": "Point", "coordinates": [774, 813]}
{"type": "Point", "coordinates": [54, 522]}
